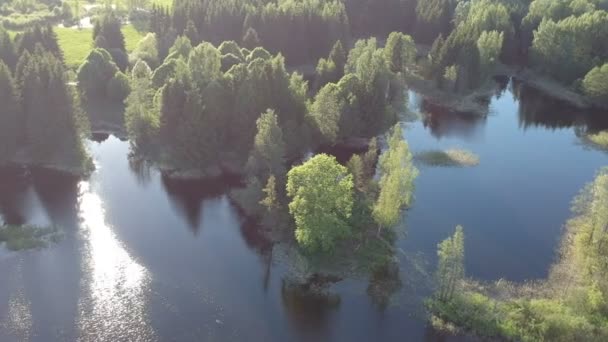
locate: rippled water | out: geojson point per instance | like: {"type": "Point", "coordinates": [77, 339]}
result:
{"type": "Point", "coordinates": [146, 258]}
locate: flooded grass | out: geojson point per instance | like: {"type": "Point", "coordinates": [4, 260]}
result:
{"type": "Point", "coordinates": [599, 139]}
{"type": "Point", "coordinates": [25, 237]}
{"type": "Point", "coordinates": [448, 158]}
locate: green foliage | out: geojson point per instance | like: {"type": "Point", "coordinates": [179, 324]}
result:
{"type": "Point", "coordinates": [231, 47]}
{"type": "Point", "coordinates": [95, 74]}
{"type": "Point", "coordinates": [271, 200]}
{"type": "Point", "coordinates": [165, 72]}
{"type": "Point", "coordinates": [595, 83]}
{"type": "Point", "coordinates": [180, 49]}
{"type": "Point", "coordinates": [571, 306]}
{"type": "Point", "coordinates": [205, 64]}
{"type": "Point", "coordinates": [400, 51]}
{"type": "Point", "coordinates": [118, 88]}
{"type": "Point", "coordinates": [39, 35]}
{"type": "Point", "coordinates": [191, 32]}
{"type": "Point", "coordinates": [146, 50]}
{"type": "Point", "coordinates": [107, 32]}
{"type": "Point", "coordinates": [9, 124]}
{"type": "Point", "coordinates": [321, 192]}
{"type": "Point", "coordinates": [397, 181]}
{"type": "Point", "coordinates": [251, 39]}
{"type": "Point", "coordinates": [489, 45]}
{"type": "Point", "coordinates": [450, 271]}
{"type": "Point", "coordinates": [569, 48]}
{"type": "Point", "coordinates": [326, 111]}
{"type": "Point", "coordinates": [141, 115]}
{"type": "Point", "coordinates": [54, 127]}
{"type": "Point", "coordinates": [356, 168]}
{"type": "Point", "coordinates": [7, 49]}
{"type": "Point", "coordinates": [267, 157]}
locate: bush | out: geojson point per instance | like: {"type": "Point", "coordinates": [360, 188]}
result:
{"type": "Point", "coordinates": [118, 88]}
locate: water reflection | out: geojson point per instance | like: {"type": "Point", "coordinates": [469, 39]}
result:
{"type": "Point", "coordinates": [186, 196]}
{"type": "Point", "coordinates": [309, 308]}
{"type": "Point", "coordinates": [539, 110]}
{"type": "Point", "coordinates": [444, 123]}
{"type": "Point", "coordinates": [113, 307]}
{"type": "Point", "coordinates": [99, 137]}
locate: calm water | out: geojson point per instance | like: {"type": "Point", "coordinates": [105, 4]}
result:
{"type": "Point", "coordinates": [149, 259]}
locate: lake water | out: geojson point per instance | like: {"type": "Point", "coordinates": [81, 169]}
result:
{"type": "Point", "coordinates": [146, 258]}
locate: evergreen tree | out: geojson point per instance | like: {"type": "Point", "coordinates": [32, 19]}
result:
{"type": "Point", "coordinates": [268, 154]}
{"type": "Point", "coordinates": [192, 33]}
{"type": "Point", "coordinates": [108, 26]}
{"type": "Point", "coordinates": [7, 49]}
{"type": "Point", "coordinates": [54, 128]}
{"type": "Point", "coordinates": [9, 125]}
{"type": "Point", "coordinates": [251, 39]}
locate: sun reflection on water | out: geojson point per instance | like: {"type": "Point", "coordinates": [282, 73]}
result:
{"type": "Point", "coordinates": [113, 306]}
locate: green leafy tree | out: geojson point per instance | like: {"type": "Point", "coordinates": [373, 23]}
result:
{"type": "Point", "coordinates": [400, 51]}
{"type": "Point", "coordinates": [95, 73]}
{"type": "Point", "coordinates": [147, 51]}
{"type": "Point", "coordinates": [396, 183]}
{"type": "Point", "coordinates": [180, 49]}
{"type": "Point", "coordinates": [321, 192]}
{"type": "Point", "coordinates": [141, 115]}
{"type": "Point", "coordinates": [205, 64]}
{"type": "Point", "coordinates": [268, 154]}
{"type": "Point", "coordinates": [326, 111]}
{"type": "Point", "coordinates": [595, 83]}
{"type": "Point", "coordinates": [489, 45]}
{"type": "Point", "coordinates": [338, 56]}
{"type": "Point", "coordinates": [118, 88]}
{"type": "Point", "coordinates": [271, 200]}
{"type": "Point", "coordinates": [356, 168]}
{"type": "Point", "coordinates": [9, 124]}
{"type": "Point", "coordinates": [450, 271]}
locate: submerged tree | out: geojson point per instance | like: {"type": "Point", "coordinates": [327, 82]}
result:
{"type": "Point", "coordinates": [322, 201]}
{"type": "Point", "coordinates": [397, 182]}
{"type": "Point", "coordinates": [451, 264]}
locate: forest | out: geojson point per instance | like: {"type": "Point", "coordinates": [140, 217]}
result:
{"type": "Point", "coordinates": [258, 88]}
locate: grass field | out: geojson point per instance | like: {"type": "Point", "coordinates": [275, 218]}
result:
{"type": "Point", "coordinates": [76, 44]}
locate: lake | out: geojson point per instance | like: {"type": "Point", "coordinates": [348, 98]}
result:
{"type": "Point", "coordinates": [147, 258]}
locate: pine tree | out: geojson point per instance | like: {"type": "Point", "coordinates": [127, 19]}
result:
{"type": "Point", "coordinates": [9, 126]}
{"type": "Point", "coordinates": [268, 154]}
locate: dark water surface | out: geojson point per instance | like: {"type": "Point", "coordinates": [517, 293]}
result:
{"type": "Point", "coordinates": [146, 258]}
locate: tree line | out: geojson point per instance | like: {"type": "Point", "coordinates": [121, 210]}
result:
{"type": "Point", "coordinates": [41, 119]}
